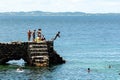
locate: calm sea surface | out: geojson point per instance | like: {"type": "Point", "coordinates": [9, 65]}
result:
{"type": "Point", "coordinates": [86, 42]}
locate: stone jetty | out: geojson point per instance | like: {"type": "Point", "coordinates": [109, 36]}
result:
{"type": "Point", "coordinates": [33, 53]}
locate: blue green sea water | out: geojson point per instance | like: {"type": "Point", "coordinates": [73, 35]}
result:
{"type": "Point", "coordinates": [86, 42]}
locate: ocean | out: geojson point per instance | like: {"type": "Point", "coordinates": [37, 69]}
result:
{"type": "Point", "coordinates": [85, 42]}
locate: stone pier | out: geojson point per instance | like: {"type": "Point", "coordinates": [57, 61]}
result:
{"type": "Point", "coordinates": [34, 54]}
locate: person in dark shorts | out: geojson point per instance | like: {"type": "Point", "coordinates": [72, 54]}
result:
{"type": "Point", "coordinates": [33, 34]}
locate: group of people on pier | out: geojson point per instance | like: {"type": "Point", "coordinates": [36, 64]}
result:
{"type": "Point", "coordinates": [40, 36]}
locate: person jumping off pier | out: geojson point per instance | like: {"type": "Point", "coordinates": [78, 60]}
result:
{"type": "Point", "coordinates": [57, 35]}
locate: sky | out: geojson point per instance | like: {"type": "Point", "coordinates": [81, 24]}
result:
{"type": "Point", "coordinates": [88, 6]}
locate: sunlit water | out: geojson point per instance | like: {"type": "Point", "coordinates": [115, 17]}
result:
{"type": "Point", "coordinates": [86, 42]}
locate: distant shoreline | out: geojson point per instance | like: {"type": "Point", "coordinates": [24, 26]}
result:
{"type": "Point", "coordinates": [40, 13]}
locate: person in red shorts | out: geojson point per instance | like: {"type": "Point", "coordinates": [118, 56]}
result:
{"type": "Point", "coordinates": [29, 35]}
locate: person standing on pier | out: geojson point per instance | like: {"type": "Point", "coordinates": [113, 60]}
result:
{"type": "Point", "coordinates": [39, 33]}
{"type": "Point", "coordinates": [38, 39]}
{"type": "Point", "coordinates": [29, 35]}
{"type": "Point", "coordinates": [33, 34]}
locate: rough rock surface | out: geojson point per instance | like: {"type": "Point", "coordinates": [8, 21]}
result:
{"type": "Point", "coordinates": [16, 51]}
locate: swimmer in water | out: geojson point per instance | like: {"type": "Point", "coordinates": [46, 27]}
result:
{"type": "Point", "coordinates": [88, 70]}
{"type": "Point", "coordinates": [19, 69]}
{"type": "Point", "coordinates": [109, 66]}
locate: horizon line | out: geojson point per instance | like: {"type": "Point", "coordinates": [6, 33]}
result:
{"type": "Point", "coordinates": [61, 12]}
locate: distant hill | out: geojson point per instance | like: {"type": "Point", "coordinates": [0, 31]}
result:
{"type": "Point", "coordinates": [40, 13]}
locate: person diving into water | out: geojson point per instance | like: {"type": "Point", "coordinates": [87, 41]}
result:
{"type": "Point", "coordinates": [57, 35]}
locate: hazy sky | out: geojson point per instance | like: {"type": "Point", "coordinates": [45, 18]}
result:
{"type": "Point", "coordinates": [88, 6]}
